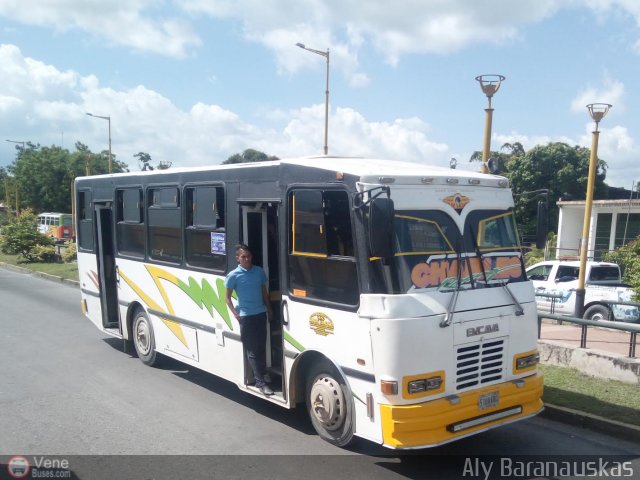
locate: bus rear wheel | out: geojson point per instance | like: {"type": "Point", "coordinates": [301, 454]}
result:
{"type": "Point", "coordinates": [143, 339]}
{"type": "Point", "coordinates": [330, 405]}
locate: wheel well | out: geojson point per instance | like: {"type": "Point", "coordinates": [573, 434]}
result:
{"type": "Point", "coordinates": [589, 305]}
{"type": "Point", "coordinates": [299, 374]}
{"type": "Point", "coordinates": [131, 313]}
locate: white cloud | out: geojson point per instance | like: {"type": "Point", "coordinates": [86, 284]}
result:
{"type": "Point", "coordinates": [619, 150]}
{"type": "Point", "coordinates": [612, 92]}
{"type": "Point", "coordinates": [347, 26]}
{"type": "Point", "coordinates": [126, 23]}
{"type": "Point", "coordinates": [144, 120]}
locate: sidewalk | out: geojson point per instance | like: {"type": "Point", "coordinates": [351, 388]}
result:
{"type": "Point", "coordinates": [606, 354]}
{"type": "Point", "coordinates": [613, 341]}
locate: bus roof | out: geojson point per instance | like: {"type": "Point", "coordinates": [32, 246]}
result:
{"type": "Point", "coordinates": [369, 170]}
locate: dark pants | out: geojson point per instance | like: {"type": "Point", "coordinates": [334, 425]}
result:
{"type": "Point", "coordinates": [253, 331]}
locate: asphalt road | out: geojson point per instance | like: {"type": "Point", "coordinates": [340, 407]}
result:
{"type": "Point", "coordinates": [66, 389]}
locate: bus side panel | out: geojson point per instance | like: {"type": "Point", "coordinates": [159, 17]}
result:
{"type": "Point", "coordinates": [344, 338]}
{"type": "Point", "coordinates": [189, 315]}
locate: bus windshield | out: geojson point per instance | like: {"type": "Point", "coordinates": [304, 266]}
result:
{"type": "Point", "coordinates": [432, 253]}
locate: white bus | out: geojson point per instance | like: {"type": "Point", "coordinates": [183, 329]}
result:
{"type": "Point", "coordinates": [402, 312]}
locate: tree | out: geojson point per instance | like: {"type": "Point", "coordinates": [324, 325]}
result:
{"type": "Point", "coordinates": [500, 158]}
{"type": "Point", "coordinates": [558, 167]}
{"type": "Point", "coordinates": [144, 162]}
{"type": "Point", "coordinates": [249, 155]}
{"type": "Point", "coordinates": [44, 175]}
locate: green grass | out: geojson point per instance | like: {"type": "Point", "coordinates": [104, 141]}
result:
{"type": "Point", "coordinates": [566, 387]}
{"type": "Point", "coordinates": [65, 270]}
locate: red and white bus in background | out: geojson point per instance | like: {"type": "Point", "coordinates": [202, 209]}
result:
{"type": "Point", "coordinates": [59, 226]}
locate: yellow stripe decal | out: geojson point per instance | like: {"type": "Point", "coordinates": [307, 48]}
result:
{"type": "Point", "coordinates": [175, 328]}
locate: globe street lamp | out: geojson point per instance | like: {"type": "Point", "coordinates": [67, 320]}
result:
{"type": "Point", "coordinates": [108, 119]}
{"type": "Point", "coordinates": [597, 111]}
{"type": "Point", "coordinates": [326, 100]}
{"type": "Point", "coordinates": [489, 84]}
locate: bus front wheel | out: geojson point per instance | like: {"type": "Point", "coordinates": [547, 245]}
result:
{"type": "Point", "coordinates": [330, 405]}
{"type": "Point", "coordinates": [143, 339]}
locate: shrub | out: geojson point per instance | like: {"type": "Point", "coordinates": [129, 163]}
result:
{"type": "Point", "coordinates": [20, 236]}
{"type": "Point", "coordinates": [628, 257]}
{"type": "Point", "coordinates": [70, 253]}
{"type": "Point", "coordinates": [43, 253]}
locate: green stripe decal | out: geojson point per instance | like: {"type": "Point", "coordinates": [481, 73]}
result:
{"type": "Point", "coordinates": [293, 342]}
{"type": "Point", "coordinates": [206, 297]}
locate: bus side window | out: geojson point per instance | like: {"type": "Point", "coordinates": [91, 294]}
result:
{"type": "Point", "coordinates": [85, 221]}
{"type": "Point", "coordinates": [321, 258]}
{"type": "Point", "coordinates": [205, 235]}
{"type": "Point", "coordinates": [165, 223]}
{"type": "Point", "coordinates": [130, 222]}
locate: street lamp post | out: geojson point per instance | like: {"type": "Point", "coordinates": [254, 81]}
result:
{"type": "Point", "coordinates": [18, 141]}
{"type": "Point", "coordinates": [326, 93]}
{"type": "Point", "coordinates": [23, 143]}
{"type": "Point", "coordinates": [489, 84]}
{"type": "Point", "coordinates": [597, 111]}
{"type": "Point", "coordinates": [108, 119]}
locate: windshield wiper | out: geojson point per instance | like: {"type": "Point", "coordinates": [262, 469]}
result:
{"type": "Point", "coordinates": [448, 318]}
{"type": "Point", "coordinates": [519, 309]}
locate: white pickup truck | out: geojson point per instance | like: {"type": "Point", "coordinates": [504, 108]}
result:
{"type": "Point", "coordinates": [603, 283]}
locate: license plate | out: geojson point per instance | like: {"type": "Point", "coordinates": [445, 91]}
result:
{"type": "Point", "coordinates": [488, 400]}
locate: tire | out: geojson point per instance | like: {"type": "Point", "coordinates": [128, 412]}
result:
{"type": "Point", "coordinates": [143, 338]}
{"type": "Point", "coordinates": [597, 312]}
{"type": "Point", "coordinates": [330, 404]}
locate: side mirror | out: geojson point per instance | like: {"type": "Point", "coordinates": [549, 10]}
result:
{"type": "Point", "coordinates": [381, 230]}
{"type": "Point", "coordinates": [542, 225]}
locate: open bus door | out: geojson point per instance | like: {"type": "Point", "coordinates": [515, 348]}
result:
{"type": "Point", "coordinates": [260, 233]}
{"type": "Point", "coordinates": [107, 266]}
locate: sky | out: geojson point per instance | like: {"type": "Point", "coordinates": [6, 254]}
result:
{"type": "Point", "coordinates": [193, 82]}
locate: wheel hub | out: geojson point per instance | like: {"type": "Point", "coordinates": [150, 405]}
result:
{"type": "Point", "coordinates": [327, 403]}
{"type": "Point", "coordinates": [142, 336]}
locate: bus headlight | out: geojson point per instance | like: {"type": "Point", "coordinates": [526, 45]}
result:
{"type": "Point", "coordinates": [526, 361]}
{"type": "Point", "coordinates": [420, 385]}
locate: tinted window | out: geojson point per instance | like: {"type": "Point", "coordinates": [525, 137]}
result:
{"type": "Point", "coordinates": [205, 235]}
{"type": "Point", "coordinates": [85, 220]}
{"type": "Point", "coordinates": [164, 219]}
{"type": "Point", "coordinates": [129, 223]}
{"type": "Point", "coordinates": [321, 254]}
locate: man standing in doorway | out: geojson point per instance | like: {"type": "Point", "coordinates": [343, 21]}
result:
{"type": "Point", "coordinates": [252, 311]}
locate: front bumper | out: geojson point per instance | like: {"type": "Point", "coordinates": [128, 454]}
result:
{"type": "Point", "coordinates": [432, 423]}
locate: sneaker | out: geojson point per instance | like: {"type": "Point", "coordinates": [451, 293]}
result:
{"type": "Point", "coordinates": [266, 390]}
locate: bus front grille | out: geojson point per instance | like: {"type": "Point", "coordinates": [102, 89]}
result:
{"type": "Point", "coordinates": [479, 363]}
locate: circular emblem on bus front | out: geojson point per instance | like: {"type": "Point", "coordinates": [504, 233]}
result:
{"type": "Point", "coordinates": [18, 467]}
{"type": "Point", "coordinates": [321, 324]}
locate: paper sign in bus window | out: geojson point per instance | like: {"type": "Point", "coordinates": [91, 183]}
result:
{"type": "Point", "coordinates": [218, 243]}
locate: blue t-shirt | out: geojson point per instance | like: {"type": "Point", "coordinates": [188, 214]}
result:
{"type": "Point", "coordinates": [248, 285]}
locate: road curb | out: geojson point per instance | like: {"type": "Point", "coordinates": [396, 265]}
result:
{"type": "Point", "coordinates": [592, 422]}
{"type": "Point", "coordinates": [46, 276]}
